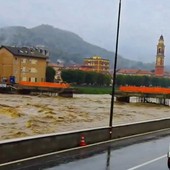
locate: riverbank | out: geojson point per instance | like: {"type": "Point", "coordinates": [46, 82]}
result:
{"type": "Point", "coordinates": [22, 115]}
{"type": "Point", "coordinates": [93, 90]}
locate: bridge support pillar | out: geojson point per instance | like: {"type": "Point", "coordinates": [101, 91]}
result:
{"type": "Point", "coordinates": [66, 93]}
{"type": "Point", "coordinates": [123, 99]}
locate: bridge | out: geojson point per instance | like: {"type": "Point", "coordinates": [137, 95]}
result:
{"type": "Point", "coordinates": [144, 94]}
{"type": "Point", "coordinates": [63, 89]}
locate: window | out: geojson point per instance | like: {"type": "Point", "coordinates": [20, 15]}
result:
{"type": "Point", "coordinates": [32, 79]}
{"type": "Point", "coordinates": [23, 69]}
{"type": "Point", "coordinates": [24, 79]}
{"type": "Point", "coordinates": [24, 60]}
{"type": "Point", "coordinates": [33, 70]}
{"type": "Point", "coordinates": [33, 61]}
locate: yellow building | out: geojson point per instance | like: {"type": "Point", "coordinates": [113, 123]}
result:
{"type": "Point", "coordinates": [23, 64]}
{"type": "Point", "coordinates": [97, 64]}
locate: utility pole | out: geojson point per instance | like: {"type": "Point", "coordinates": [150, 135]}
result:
{"type": "Point", "coordinates": [114, 72]}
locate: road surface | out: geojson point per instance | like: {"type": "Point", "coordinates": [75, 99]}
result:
{"type": "Point", "coordinates": [149, 155]}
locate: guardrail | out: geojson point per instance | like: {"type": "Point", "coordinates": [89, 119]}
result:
{"type": "Point", "coordinates": [145, 90]}
{"type": "Point", "coordinates": [22, 148]}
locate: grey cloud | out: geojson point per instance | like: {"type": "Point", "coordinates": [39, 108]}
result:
{"type": "Point", "coordinates": [142, 22]}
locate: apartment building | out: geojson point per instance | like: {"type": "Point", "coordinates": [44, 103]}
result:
{"type": "Point", "coordinates": [22, 64]}
{"type": "Point", "coordinates": [97, 64]}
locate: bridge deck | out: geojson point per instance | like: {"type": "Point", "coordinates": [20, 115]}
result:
{"type": "Point", "coordinates": [162, 95]}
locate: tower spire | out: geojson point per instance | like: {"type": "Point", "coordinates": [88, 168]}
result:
{"type": "Point", "coordinates": [161, 38]}
{"type": "Point", "coordinates": [159, 65]}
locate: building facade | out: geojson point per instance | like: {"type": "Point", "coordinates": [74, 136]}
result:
{"type": "Point", "coordinates": [159, 65]}
{"type": "Point", "coordinates": [97, 64]}
{"type": "Point", "coordinates": [58, 68]}
{"type": "Point", "coordinates": [23, 64]}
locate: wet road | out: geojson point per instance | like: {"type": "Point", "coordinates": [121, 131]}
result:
{"type": "Point", "coordinates": [149, 155]}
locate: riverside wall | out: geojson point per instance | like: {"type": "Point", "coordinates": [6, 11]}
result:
{"type": "Point", "coordinates": [21, 148]}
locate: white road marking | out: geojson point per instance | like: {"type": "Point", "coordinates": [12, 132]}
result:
{"type": "Point", "coordinates": [148, 162]}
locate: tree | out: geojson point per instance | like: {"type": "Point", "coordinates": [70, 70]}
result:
{"type": "Point", "coordinates": [50, 74]}
{"type": "Point", "coordinates": [147, 81]}
{"type": "Point", "coordinates": [83, 77]}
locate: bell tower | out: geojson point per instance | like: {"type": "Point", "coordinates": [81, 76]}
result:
{"type": "Point", "coordinates": [159, 66]}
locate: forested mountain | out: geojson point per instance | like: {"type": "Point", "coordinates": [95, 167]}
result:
{"type": "Point", "coordinates": [62, 45]}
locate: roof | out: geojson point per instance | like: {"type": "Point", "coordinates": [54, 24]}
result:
{"type": "Point", "coordinates": [161, 37]}
{"type": "Point", "coordinates": [96, 58]}
{"type": "Point", "coordinates": [134, 71]}
{"type": "Point", "coordinates": [25, 51]}
{"type": "Point", "coordinates": [144, 72]}
{"type": "Point", "coordinates": [55, 65]}
{"type": "Point", "coordinates": [127, 71]}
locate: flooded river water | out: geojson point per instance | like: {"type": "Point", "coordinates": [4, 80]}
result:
{"type": "Point", "coordinates": [22, 115]}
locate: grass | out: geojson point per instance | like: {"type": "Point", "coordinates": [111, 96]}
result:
{"type": "Point", "coordinates": [93, 90]}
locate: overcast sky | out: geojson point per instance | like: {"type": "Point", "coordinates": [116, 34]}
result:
{"type": "Point", "coordinates": [142, 22]}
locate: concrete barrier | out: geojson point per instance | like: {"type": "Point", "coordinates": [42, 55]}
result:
{"type": "Point", "coordinates": [139, 127]}
{"type": "Point", "coordinates": [22, 148]}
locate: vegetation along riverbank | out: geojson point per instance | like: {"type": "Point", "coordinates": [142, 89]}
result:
{"type": "Point", "coordinates": [92, 90]}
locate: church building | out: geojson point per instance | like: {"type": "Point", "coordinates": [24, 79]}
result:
{"type": "Point", "coordinates": [159, 64]}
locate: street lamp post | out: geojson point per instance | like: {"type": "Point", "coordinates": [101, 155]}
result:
{"type": "Point", "coordinates": [114, 72]}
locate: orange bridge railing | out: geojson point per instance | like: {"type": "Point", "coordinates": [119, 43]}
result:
{"type": "Point", "coordinates": [151, 90]}
{"type": "Point", "coordinates": [44, 84]}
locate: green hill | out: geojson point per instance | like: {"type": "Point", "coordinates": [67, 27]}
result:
{"type": "Point", "coordinates": [62, 45]}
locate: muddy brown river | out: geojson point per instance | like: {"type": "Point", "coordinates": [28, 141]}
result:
{"type": "Point", "coordinates": [22, 115]}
